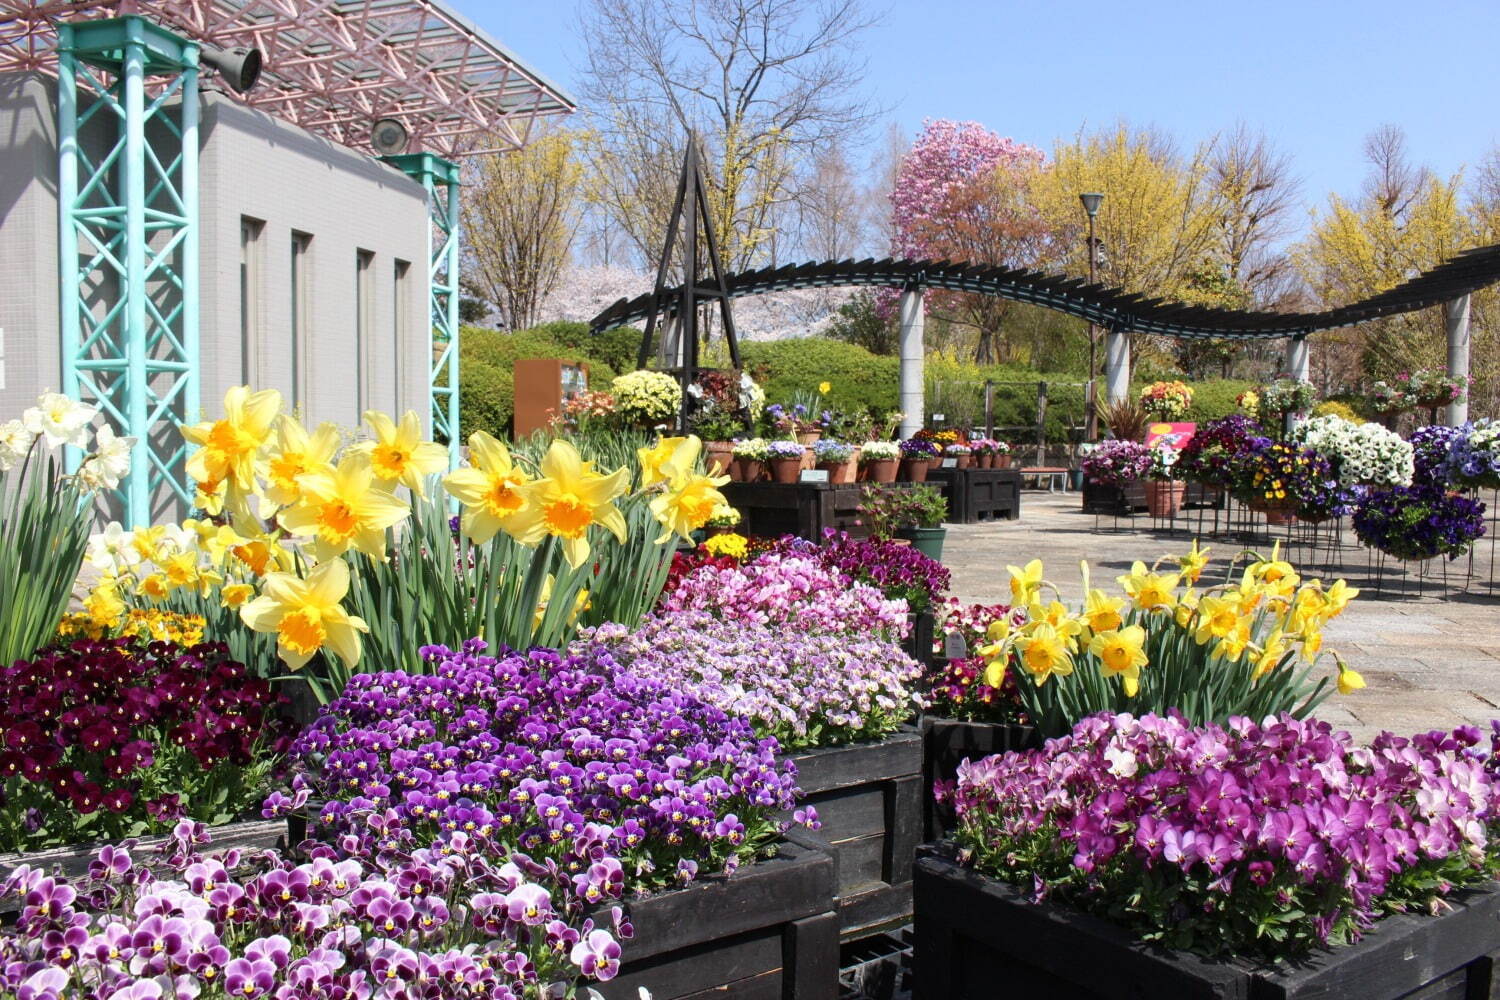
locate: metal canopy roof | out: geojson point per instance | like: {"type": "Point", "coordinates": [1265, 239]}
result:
{"type": "Point", "coordinates": [334, 67]}
{"type": "Point", "coordinates": [1109, 307]}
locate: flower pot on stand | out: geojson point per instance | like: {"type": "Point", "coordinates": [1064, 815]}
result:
{"type": "Point", "coordinates": [935, 462]}
{"type": "Point", "coordinates": [1002, 461]}
{"type": "Point", "coordinates": [750, 469]}
{"type": "Point", "coordinates": [809, 437]}
{"type": "Point", "coordinates": [913, 470]}
{"type": "Point", "coordinates": [838, 472]}
{"type": "Point", "coordinates": [785, 470]}
{"type": "Point", "coordinates": [717, 454]}
{"type": "Point", "coordinates": [928, 541]}
{"type": "Point", "coordinates": [883, 471]}
{"type": "Point", "coordinates": [962, 461]}
{"type": "Point", "coordinates": [1164, 499]}
{"type": "Point", "coordinates": [986, 461]}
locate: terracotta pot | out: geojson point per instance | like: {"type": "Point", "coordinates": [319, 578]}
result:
{"type": "Point", "coordinates": [986, 461]}
{"type": "Point", "coordinates": [1164, 499]}
{"type": "Point", "coordinates": [785, 470]}
{"type": "Point", "coordinates": [838, 472]}
{"type": "Point", "coordinates": [808, 437]}
{"type": "Point", "coordinates": [1279, 516]}
{"type": "Point", "coordinates": [1002, 461]}
{"type": "Point", "coordinates": [883, 471]}
{"type": "Point", "coordinates": [962, 461]}
{"type": "Point", "coordinates": [936, 462]}
{"type": "Point", "coordinates": [914, 470]}
{"type": "Point", "coordinates": [718, 454]}
{"type": "Point", "coordinates": [710, 532]}
{"type": "Point", "coordinates": [750, 470]}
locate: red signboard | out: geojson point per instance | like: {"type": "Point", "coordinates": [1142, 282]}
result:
{"type": "Point", "coordinates": [1174, 435]}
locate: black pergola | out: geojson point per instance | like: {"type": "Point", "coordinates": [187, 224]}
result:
{"type": "Point", "coordinates": [1111, 308]}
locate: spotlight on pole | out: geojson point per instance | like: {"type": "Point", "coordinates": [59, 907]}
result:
{"type": "Point", "coordinates": [240, 67]}
{"type": "Point", "coordinates": [1091, 203]}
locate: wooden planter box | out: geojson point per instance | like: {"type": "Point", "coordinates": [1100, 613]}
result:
{"type": "Point", "coordinates": [1118, 500]}
{"type": "Point", "coordinates": [73, 860]}
{"type": "Point", "coordinates": [801, 509]}
{"type": "Point", "coordinates": [976, 495]}
{"type": "Point", "coordinates": [947, 743]}
{"type": "Point", "coordinates": [918, 642]}
{"type": "Point", "coordinates": [975, 935]}
{"type": "Point", "coordinates": [767, 933]}
{"type": "Point", "coordinates": [869, 800]}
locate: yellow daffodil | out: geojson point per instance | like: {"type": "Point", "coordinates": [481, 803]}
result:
{"type": "Point", "coordinates": [1187, 607]}
{"type": "Point", "coordinates": [147, 542]}
{"type": "Point", "coordinates": [580, 603]}
{"type": "Point", "coordinates": [1218, 617]}
{"type": "Point", "coordinates": [180, 569]}
{"type": "Point", "coordinates": [1102, 612]}
{"type": "Point", "coordinates": [1271, 653]}
{"type": "Point", "coordinates": [399, 455]}
{"type": "Point", "coordinates": [1312, 643]}
{"type": "Point", "coordinates": [104, 604]}
{"type": "Point", "coordinates": [227, 447]}
{"type": "Point", "coordinates": [1275, 574]}
{"type": "Point", "coordinates": [998, 630]}
{"type": "Point", "coordinates": [209, 497]}
{"type": "Point", "coordinates": [488, 488]}
{"type": "Point", "coordinates": [824, 388]}
{"type": "Point", "coordinates": [306, 615]}
{"type": "Point", "coordinates": [994, 667]}
{"type": "Point", "coordinates": [1193, 562]}
{"type": "Point", "coordinates": [1349, 679]}
{"type": "Point", "coordinates": [258, 553]}
{"type": "Point", "coordinates": [343, 507]}
{"type": "Point", "coordinates": [997, 651]}
{"type": "Point", "coordinates": [687, 504]}
{"type": "Point", "coordinates": [658, 462]}
{"type": "Point", "coordinates": [1121, 652]}
{"type": "Point", "coordinates": [297, 453]}
{"type": "Point", "coordinates": [236, 594]}
{"type": "Point", "coordinates": [1338, 597]}
{"type": "Point", "coordinates": [1044, 653]}
{"type": "Point", "coordinates": [568, 499]}
{"type": "Point", "coordinates": [1025, 583]}
{"type": "Point", "coordinates": [1057, 615]}
{"type": "Point", "coordinates": [1233, 645]}
{"type": "Point", "coordinates": [1150, 591]}
{"type": "Point", "coordinates": [154, 586]}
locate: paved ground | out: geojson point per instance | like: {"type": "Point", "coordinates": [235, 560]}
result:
{"type": "Point", "coordinates": [1429, 649]}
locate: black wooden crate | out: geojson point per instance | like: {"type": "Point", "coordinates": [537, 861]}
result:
{"type": "Point", "coordinates": [976, 937]}
{"type": "Point", "coordinates": [801, 509]}
{"type": "Point", "coordinates": [1121, 500]}
{"type": "Point", "coordinates": [918, 642]}
{"type": "Point", "coordinates": [976, 495]}
{"type": "Point", "coordinates": [769, 932]}
{"type": "Point", "coordinates": [869, 800]}
{"type": "Point", "coordinates": [946, 743]}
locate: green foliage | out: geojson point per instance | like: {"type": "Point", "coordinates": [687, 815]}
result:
{"type": "Point", "coordinates": [44, 531]}
{"type": "Point", "coordinates": [487, 367]}
{"type": "Point", "coordinates": [1214, 399]}
{"type": "Point", "coordinates": [486, 398]}
{"type": "Point", "coordinates": [859, 322]}
{"type": "Point", "coordinates": [858, 379]}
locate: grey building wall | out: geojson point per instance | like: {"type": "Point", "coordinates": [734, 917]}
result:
{"type": "Point", "coordinates": [350, 350]}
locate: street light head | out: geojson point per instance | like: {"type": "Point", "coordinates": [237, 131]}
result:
{"type": "Point", "coordinates": [1091, 203]}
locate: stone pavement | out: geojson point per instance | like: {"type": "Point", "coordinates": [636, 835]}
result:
{"type": "Point", "coordinates": [1430, 658]}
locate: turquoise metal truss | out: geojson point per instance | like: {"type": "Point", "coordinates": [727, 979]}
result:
{"type": "Point", "coordinates": [440, 178]}
{"type": "Point", "coordinates": [128, 242]}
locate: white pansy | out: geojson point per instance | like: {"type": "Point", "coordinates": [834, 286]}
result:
{"type": "Point", "coordinates": [59, 419]}
{"type": "Point", "coordinates": [1361, 453]}
{"type": "Point", "coordinates": [110, 462]}
{"type": "Point", "coordinates": [15, 441]}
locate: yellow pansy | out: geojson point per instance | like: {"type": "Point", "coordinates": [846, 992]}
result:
{"type": "Point", "coordinates": [567, 500]}
{"type": "Point", "coordinates": [1193, 562]}
{"type": "Point", "coordinates": [227, 447]}
{"type": "Point", "coordinates": [1150, 591]}
{"type": "Point", "coordinates": [489, 488]}
{"type": "Point", "coordinates": [297, 453]}
{"type": "Point", "coordinates": [399, 454]}
{"type": "Point", "coordinates": [1121, 653]}
{"type": "Point", "coordinates": [306, 615]}
{"type": "Point", "coordinates": [1025, 583]}
{"type": "Point", "coordinates": [343, 508]}
{"type": "Point", "coordinates": [687, 504]}
{"type": "Point", "coordinates": [1044, 653]}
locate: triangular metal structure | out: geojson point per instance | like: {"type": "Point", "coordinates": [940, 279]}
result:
{"type": "Point", "coordinates": [678, 305]}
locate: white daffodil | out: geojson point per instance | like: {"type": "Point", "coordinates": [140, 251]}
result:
{"type": "Point", "coordinates": [111, 549]}
{"type": "Point", "coordinates": [59, 419]}
{"type": "Point", "coordinates": [15, 441]}
{"type": "Point", "coordinates": [110, 462]}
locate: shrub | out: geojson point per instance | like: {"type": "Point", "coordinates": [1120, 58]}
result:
{"type": "Point", "coordinates": [1334, 408]}
{"type": "Point", "coordinates": [487, 368]}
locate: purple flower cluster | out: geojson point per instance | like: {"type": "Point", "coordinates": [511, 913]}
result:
{"type": "Point", "coordinates": [900, 572]}
{"type": "Point", "coordinates": [1207, 455]}
{"type": "Point", "coordinates": [1248, 839]}
{"type": "Point", "coordinates": [1474, 455]}
{"type": "Point", "coordinates": [1115, 462]}
{"type": "Point", "coordinates": [446, 921]}
{"type": "Point", "coordinates": [789, 593]}
{"type": "Point", "coordinates": [611, 780]}
{"type": "Point", "coordinates": [1430, 447]}
{"type": "Point", "coordinates": [1419, 522]}
{"type": "Point", "coordinates": [803, 688]}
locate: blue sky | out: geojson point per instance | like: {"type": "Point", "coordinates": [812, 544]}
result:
{"type": "Point", "coordinates": [1316, 76]}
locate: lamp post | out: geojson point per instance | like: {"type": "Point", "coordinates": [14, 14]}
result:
{"type": "Point", "coordinates": [1091, 202]}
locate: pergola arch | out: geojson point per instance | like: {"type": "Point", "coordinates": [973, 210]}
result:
{"type": "Point", "coordinates": [1120, 313]}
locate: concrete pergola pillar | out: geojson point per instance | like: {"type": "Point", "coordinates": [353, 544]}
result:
{"type": "Point", "coordinates": [913, 362]}
{"type": "Point", "coordinates": [1117, 366]}
{"type": "Point", "coordinates": [1456, 316]}
{"type": "Point", "coordinates": [1299, 358]}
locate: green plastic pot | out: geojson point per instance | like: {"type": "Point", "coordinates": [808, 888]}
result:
{"type": "Point", "coordinates": [928, 541]}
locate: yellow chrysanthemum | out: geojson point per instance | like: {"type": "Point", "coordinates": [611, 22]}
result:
{"type": "Point", "coordinates": [1044, 653]}
{"type": "Point", "coordinates": [489, 489]}
{"type": "Point", "coordinates": [399, 454]}
{"type": "Point", "coordinates": [1121, 653]}
{"type": "Point", "coordinates": [731, 544]}
{"type": "Point", "coordinates": [1025, 583]}
{"type": "Point", "coordinates": [342, 508]}
{"type": "Point", "coordinates": [306, 615]}
{"type": "Point", "coordinates": [296, 454]}
{"type": "Point", "coordinates": [227, 448]}
{"type": "Point", "coordinates": [567, 500]}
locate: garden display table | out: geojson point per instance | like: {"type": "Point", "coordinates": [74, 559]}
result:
{"type": "Point", "coordinates": [869, 799]}
{"type": "Point", "coordinates": [974, 934]}
{"type": "Point", "coordinates": [979, 494]}
{"type": "Point", "coordinates": [801, 509]}
{"type": "Point", "coordinates": [1099, 498]}
{"type": "Point", "coordinates": [769, 931]}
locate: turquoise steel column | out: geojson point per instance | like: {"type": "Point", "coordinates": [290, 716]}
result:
{"type": "Point", "coordinates": [67, 235]}
{"type": "Point", "coordinates": [440, 179]}
{"type": "Point", "coordinates": [192, 403]}
{"type": "Point", "coordinates": [133, 197]}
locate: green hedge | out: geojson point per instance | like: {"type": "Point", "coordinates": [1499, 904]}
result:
{"type": "Point", "coordinates": [487, 367]}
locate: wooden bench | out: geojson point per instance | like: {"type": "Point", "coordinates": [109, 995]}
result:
{"type": "Point", "coordinates": [1056, 476]}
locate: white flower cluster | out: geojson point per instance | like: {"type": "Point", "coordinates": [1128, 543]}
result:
{"type": "Point", "coordinates": [752, 396]}
{"type": "Point", "coordinates": [647, 396]}
{"type": "Point", "coordinates": [56, 420]}
{"type": "Point", "coordinates": [1366, 454]}
{"type": "Point", "coordinates": [879, 451]}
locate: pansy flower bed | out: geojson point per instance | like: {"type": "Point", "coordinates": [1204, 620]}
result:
{"type": "Point", "coordinates": [1255, 840]}
{"type": "Point", "coordinates": [108, 738]}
